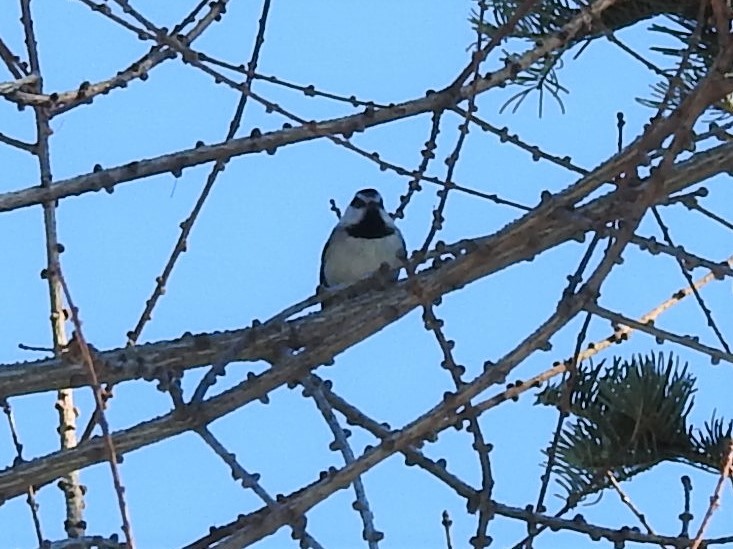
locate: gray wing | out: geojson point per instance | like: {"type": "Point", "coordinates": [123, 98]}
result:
{"type": "Point", "coordinates": [322, 277]}
{"type": "Point", "coordinates": [404, 246]}
{"type": "Point", "coordinates": [402, 253]}
{"type": "Point", "coordinates": [323, 260]}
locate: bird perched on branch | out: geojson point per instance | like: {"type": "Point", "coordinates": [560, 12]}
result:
{"type": "Point", "coordinates": [364, 238]}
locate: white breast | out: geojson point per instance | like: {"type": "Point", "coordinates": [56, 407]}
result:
{"type": "Point", "coordinates": [348, 259]}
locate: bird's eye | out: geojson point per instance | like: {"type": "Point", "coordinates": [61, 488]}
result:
{"type": "Point", "coordinates": [358, 203]}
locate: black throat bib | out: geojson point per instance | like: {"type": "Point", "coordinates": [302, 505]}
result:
{"type": "Point", "coordinates": [371, 226]}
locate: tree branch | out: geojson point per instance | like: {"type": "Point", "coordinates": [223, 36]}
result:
{"type": "Point", "coordinates": [519, 241]}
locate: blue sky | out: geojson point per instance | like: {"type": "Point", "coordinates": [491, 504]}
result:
{"type": "Point", "coordinates": [256, 250]}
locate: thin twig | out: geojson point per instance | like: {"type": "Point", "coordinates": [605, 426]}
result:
{"type": "Point", "coordinates": [16, 67]}
{"type": "Point", "coordinates": [112, 458]}
{"type": "Point", "coordinates": [105, 10]}
{"type": "Point", "coordinates": [569, 383]}
{"type": "Point", "coordinates": [62, 102]}
{"type": "Point", "coordinates": [308, 91]}
{"type": "Point", "coordinates": [715, 217]}
{"type": "Point", "coordinates": [482, 448]}
{"type": "Point", "coordinates": [473, 69]}
{"type": "Point", "coordinates": [686, 517]}
{"type": "Point", "coordinates": [31, 499]}
{"type": "Point", "coordinates": [534, 150]}
{"type": "Point", "coordinates": [705, 309]}
{"type": "Point", "coordinates": [725, 473]}
{"type": "Point", "coordinates": [447, 523]}
{"type": "Point", "coordinates": [433, 324]}
{"type": "Point", "coordinates": [314, 388]}
{"type": "Point", "coordinates": [187, 225]}
{"type": "Point", "coordinates": [716, 355]}
{"type": "Point", "coordinates": [690, 261]}
{"type": "Point", "coordinates": [17, 143]}
{"type": "Point", "coordinates": [611, 37]}
{"type": "Point", "coordinates": [630, 504]}
{"type": "Point", "coordinates": [620, 123]}
{"type": "Point", "coordinates": [427, 153]}
{"type": "Point", "coordinates": [35, 348]}
{"type": "Point", "coordinates": [251, 481]}
{"type": "Point", "coordinates": [74, 524]}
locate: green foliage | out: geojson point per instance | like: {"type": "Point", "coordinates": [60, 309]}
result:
{"type": "Point", "coordinates": [695, 54]}
{"type": "Point", "coordinates": [549, 16]}
{"type": "Point", "coordinates": [546, 17]}
{"type": "Point", "coordinates": [627, 418]}
{"type": "Point", "coordinates": [711, 441]}
{"type": "Point", "coordinates": [679, 20]}
{"type": "Point", "coordinates": [542, 77]}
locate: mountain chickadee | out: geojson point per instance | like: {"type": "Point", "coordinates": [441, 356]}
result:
{"type": "Point", "coordinates": [364, 238]}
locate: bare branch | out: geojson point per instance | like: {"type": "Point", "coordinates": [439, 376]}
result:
{"type": "Point", "coordinates": [716, 355]}
{"type": "Point", "coordinates": [519, 241]}
{"type": "Point", "coordinates": [79, 344]}
{"type": "Point", "coordinates": [250, 480]}
{"type": "Point", "coordinates": [9, 88]}
{"type": "Point", "coordinates": [176, 162]}
{"type": "Point", "coordinates": [725, 473]}
{"type": "Point", "coordinates": [67, 413]}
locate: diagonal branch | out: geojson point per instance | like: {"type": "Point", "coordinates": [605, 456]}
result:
{"type": "Point", "coordinates": [314, 387]}
{"type": "Point", "coordinates": [716, 355]}
{"type": "Point", "coordinates": [250, 480]}
{"type": "Point", "coordinates": [689, 260]}
{"type": "Point", "coordinates": [726, 471]}
{"type": "Point", "coordinates": [520, 241]}
{"type": "Point", "coordinates": [61, 102]}
{"type": "Point", "coordinates": [176, 162]}
{"type": "Point", "coordinates": [17, 143]}
{"type": "Point", "coordinates": [16, 67]}
{"type": "Point", "coordinates": [187, 225]}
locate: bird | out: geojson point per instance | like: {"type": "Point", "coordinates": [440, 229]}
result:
{"type": "Point", "coordinates": [364, 238]}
